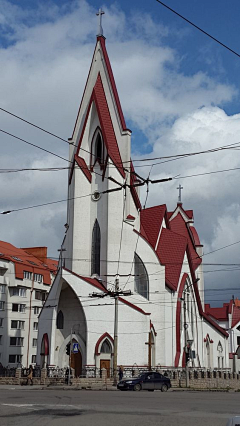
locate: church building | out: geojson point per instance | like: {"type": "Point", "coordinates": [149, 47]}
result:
{"type": "Point", "coordinates": [156, 255]}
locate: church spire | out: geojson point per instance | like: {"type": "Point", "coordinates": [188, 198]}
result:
{"type": "Point", "coordinates": [100, 29]}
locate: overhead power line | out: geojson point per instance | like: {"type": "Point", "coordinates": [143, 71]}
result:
{"type": "Point", "coordinates": [198, 28]}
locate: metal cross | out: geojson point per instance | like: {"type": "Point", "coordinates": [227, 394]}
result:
{"type": "Point", "coordinates": [100, 30]}
{"type": "Point", "coordinates": [179, 196]}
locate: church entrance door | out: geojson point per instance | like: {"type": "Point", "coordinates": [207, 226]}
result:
{"type": "Point", "coordinates": [105, 363]}
{"type": "Point", "coordinates": [76, 363]}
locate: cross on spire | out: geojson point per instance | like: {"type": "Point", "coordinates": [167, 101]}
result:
{"type": "Point", "coordinates": [100, 29]}
{"type": "Point", "coordinates": [179, 195]}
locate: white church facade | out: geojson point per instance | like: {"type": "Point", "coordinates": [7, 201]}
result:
{"type": "Point", "coordinates": [155, 253]}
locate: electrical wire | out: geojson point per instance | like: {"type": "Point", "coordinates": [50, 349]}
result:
{"type": "Point", "coordinates": [198, 28]}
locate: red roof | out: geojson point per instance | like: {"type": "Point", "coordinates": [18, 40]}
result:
{"type": "Point", "coordinates": [151, 221]}
{"type": "Point", "coordinates": [220, 314]}
{"type": "Point", "coordinates": [171, 250]}
{"type": "Point", "coordinates": [179, 226]}
{"type": "Point", "coordinates": [195, 236]}
{"type": "Point", "coordinates": [235, 316]}
{"type": "Point", "coordinates": [25, 261]}
{"type": "Point", "coordinates": [109, 137]}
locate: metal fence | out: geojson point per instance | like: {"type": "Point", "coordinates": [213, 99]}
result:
{"type": "Point", "coordinates": [7, 372]}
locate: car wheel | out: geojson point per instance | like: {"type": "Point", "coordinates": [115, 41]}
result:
{"type": "Point", "coordinates": [137, 387]}
{"type": "Point", "coordinates": [164, 388]}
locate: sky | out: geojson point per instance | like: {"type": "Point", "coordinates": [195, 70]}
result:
{"type": "Point", "coordinates": [179, 92]}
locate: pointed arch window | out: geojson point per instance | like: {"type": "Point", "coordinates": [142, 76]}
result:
{"type": "Point", "coordinates": [96, 247]}
{"type": "Point", "coordinates": [141, 282]}
{"type": "Point", "coordinates": [106, 347]}
{"type": "Point", "coordinates": [60, 320]}
{"type": "Point", "coordinates": [98, 149]}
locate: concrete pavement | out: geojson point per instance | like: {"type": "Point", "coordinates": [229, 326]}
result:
{"type": "Point", "coordinates": [58, 407]}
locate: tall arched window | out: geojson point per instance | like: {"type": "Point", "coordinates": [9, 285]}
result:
{"type": "Point", "coordinates": [141, 282]}
{"type": "Point", "coordinates": [106, 347]}
{"type": "Point", "coordinates": [96, 246]}
{"type": "Point", "coordinates": [98, 149]}
{"type": "Point", "coordinates": [60, 320]}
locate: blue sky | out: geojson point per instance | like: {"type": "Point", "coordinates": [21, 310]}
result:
{"type": "Point", "coordinates": [179, 92]}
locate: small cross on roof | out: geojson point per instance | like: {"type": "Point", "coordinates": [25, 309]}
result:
{"type": "Point", "coordinates": [180, 194]}
{"type": "Point", "coordinates": [100, 29]}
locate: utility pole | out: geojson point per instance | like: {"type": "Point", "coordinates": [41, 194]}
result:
{"type": "Point", "coordinates": [115, 331]}
{"type": "Point", "coordinates": [185, 341]}
{"type": "Point", "coordinates": [70, 353]}
{"type": "Point", "coordinates": [115, 294]}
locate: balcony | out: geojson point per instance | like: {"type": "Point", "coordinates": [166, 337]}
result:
{"type": "Point", "coordinates": [3, 265]}
{"type": "Point", "coordinates": [4, 280]}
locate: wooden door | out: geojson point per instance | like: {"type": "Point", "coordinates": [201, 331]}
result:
{"type": "Point", "coordinates": [76, 363]}
{"type": "Point", "coordinates": [105, 363]}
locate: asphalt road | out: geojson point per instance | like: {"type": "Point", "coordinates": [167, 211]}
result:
{"type": "Point", "coordinates": [25, 407]}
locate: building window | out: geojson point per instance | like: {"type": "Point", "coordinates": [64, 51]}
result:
{"type": "Point", "coordinates": [18, 307]}
{"type": "Point", "coordinates": [96, 246]}
{"type": "Point", "coordinates": [2, 288]}
{"type": "Point", "coordinates": [106, 347]}
{"type": "Point", "coordinates": [98, 149]}
{"type": "Point", "coordinates": [36, 310]}
{"type": "Point", "coordinates": [141, 284]}
{"type": "Point", "coordinates": [238, 340]}
{"type": "Point", "coordinates": [38, 278]}
{"type": "Point", "coordinates": [35, 326]}
{"type": "Point", "coordinates": [1, 322]}
{"type": "Point", "coordinates": [40, 295]}
{"type": "Point", "coordinates": [17, 258]}
{"type": "Point", "coordinates": [27, 275]}
{"type": "Point", "coordinates": [17, 291]}
{"type": "Point", "coordinates": [17, 325]}
{"type": "Point", "coordinates": [16, 341]}
{"type": "Point", "coordinates": [60, 320]}
{"type": "Point", "coordinates": [34, 357]}
{"type": "Point", "coordinates": [13, 359]}
{"type": "Point", "coordinates": [34, 343]}
{"type": "Point", "coordinates": [1, 305]}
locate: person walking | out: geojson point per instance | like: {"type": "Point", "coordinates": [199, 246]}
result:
{"type": "Point", "coordinates": [30, 375]}
{"type": "Point", "coordinates": [120, 372]}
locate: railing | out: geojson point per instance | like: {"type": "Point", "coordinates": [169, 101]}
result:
{"type": "Point", "coordinates": [36, 372]}
{"type": "Point", "coordinates": [7, 372]}
{"type": "Point", "coordinates": [57, 372]}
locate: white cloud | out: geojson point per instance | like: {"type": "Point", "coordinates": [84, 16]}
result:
{"type": "Point", "coordinates": [45, 62]}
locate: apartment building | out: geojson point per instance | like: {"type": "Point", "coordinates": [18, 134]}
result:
{"type": "Point", "coordinates": [25, 278]}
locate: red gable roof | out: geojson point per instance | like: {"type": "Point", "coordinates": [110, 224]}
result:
{"type": "Point", "coordinates": [109, 137]}
{"type": "Point", "coordinates": [220, 314]}
{"type": "Point", "coordinates": [101, 39]}
{"type": "Point", "coordinates": [235, 316]}
{"type": "Point", "coordinates": [179, 226]}
{"type": "Point", "coordinates": [194, 235]}
{"type": "Point", "coordinates": [171, 249]}
{"type": "Point", "coordinates": [151, 221]}
{"type": "Point", "coordinates": [25, 261]}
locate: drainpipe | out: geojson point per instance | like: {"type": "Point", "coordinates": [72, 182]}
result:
{"type": "Point", "coordinates": [30, 315]}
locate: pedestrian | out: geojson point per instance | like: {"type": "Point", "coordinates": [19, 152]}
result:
{"type": "Point", "coordinates": [30, 375]}
{"type": "Point", "coordinates": [120, 372]}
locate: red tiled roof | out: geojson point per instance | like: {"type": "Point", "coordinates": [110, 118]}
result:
{"type": "Point", "coordinates": [27, 262]}
{"type": "Point", "coordinates": [171, 250]}
{"type": "Point", "coordinates": [195, 236]}
{"type": "Point", "coordinates": [151, 221]}
{"type": "Point", "coordinates": [179, 226]}
{"type": "Point", "coordinates": [83, 166]}
{"type": "Point", "coordinates": [235, 316]}
{"type": "Point", "coordinates": [101, 39]}
{"type": "Point", "coordinates": [220, 314]}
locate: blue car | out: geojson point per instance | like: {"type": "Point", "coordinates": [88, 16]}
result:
{"type": "Point", "coordinates": [147, 381]}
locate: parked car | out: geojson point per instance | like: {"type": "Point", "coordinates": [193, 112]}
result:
{"type": "Point", "coordinates": [234, 421]}
{"type": "Point", "coordinates": [150, 381]}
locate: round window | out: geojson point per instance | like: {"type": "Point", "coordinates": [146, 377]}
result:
{"type": "Point", "coordinates": [96, 195]}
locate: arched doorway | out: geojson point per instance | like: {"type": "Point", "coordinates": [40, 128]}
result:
{"type": "Point", "coordinates": [76, 362]}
